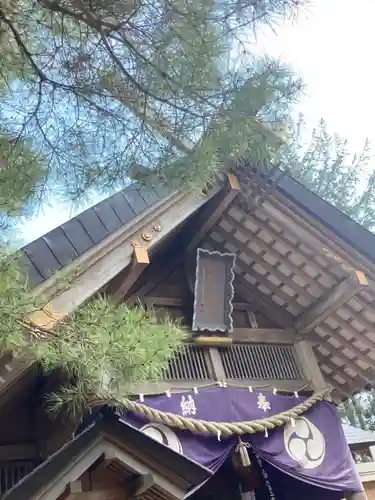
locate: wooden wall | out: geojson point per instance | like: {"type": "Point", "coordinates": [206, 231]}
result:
{"type": "Point", "coordinates": [174, 296]}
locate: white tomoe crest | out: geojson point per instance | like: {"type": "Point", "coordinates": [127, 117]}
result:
{"type": "Point", "coordinates": [304, 443]}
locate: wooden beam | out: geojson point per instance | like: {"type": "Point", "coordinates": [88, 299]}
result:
{"type": "Point", "coordinates": [233, 189]}
{"type": "Point", "coordinates": [96, 267]}
{"type": "Point", "coordinates": [249, 335]}
{"type": "Point", "coordinates": [331, 301]}
{"type": "Point", "coordinates": [112, 494]}
{"type": "Point", "coordinates": [141, 484]}
{"type": "Point", "coordinates": [176, 302]}
{"type": "Point", "coordinates": [178, 386]}
{"type": "Point", "coordinates": [139, 263]}
{"type": "Point", "coordinates": [309, 364]}
{"type": "Point", "coordinates": [18, 452]}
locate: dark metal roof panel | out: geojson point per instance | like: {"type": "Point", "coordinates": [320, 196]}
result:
{"type": "Point", "coordinates": [62, 245]}
{"type": "Point", "coordinates": [346, 228]}
{"type": "Point", "coordinates": [42, 257]}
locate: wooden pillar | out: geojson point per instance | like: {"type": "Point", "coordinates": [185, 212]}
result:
{"type": "Point", "coordinates": [356, 496]}
{"type": "Point", "coordinates": [309, 365]}
{"type": "Point", "coordinates": [216, 365]}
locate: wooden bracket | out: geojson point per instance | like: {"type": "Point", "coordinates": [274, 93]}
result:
{"type": "Point", "coordinates": [140, 260]}
{"type": "Point", "coordinates": [140, 254]}
{"type": "Point", "coordinates": [331, 301]}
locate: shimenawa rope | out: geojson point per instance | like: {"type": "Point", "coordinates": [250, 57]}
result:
{"type": "Point", "coordinates": [224, 428]}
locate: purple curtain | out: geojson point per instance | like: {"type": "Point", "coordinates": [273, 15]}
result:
{"type": "Point", "coordinates": [311, 450]}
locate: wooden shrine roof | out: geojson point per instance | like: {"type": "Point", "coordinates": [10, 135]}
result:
{"type": "Point", "coordinates": [356, 435]}
{"type": "Point", "coordinates": [130, 453]}
{"type": "Point", "coordinates": [301, 274]}
{"type": "Point", "coordinates": [303, 263]}
{"type": "Point", "coordinates": [61, 246]}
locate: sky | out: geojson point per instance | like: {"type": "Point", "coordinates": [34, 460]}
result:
{"type": "Point", "coordinates": [329, 45]}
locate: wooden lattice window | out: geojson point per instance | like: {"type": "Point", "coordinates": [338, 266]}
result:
{"type": "Point", "coordinates": [12, 472]}
{"type": "Point", "coordinates": [190, 363]}
{"type": "Point", "coordinates": [272, 362]}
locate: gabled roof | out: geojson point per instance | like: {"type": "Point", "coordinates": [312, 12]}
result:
{"type": "Point", "coordinates": [303, 263]}
{"type": "Point", "coordinates": [355, 435]}
{"type": "Point", "coordinates": [65, 466]}
{"type": "Point", "coordinates": [61, 246]}
{"type": "Point", "coordinates": [344, 226]}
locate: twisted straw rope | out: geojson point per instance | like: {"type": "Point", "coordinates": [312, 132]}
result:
{"type": "Point", "coordinates": [224, 428]}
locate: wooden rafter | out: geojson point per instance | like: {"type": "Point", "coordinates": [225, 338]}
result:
{"type": "Point", "coordinates": [287, 318]}
{"type": "Point", "coordinates": [180, 303]}
{"type": "Point", "coordinates": [367, 375]}
{"type": "Point", "coordinates": [263, 226]}
{"type": "Point", "coordinates": [258, 259]}
{"type": "Point", "coordinates": [263, 303]}
{"type": "Point", "coordinates": [360, 336]}
{"type": "Point", "coordinates": [323, 360]}
{"type": "Point", "coordinates": [139, 263]}
{"type": "Point", "coordinates": [325, 332]}
{"type": "Point", "coordinates": [298, 229]}
{"type": "Point", "coordinates": [313, 282]}
{"type": "Point", "coordinates": [330, 302]}
{"type": "Point", "coordinates": [323, 236]}
{"type": "Point", "coordinates": [275, 290]}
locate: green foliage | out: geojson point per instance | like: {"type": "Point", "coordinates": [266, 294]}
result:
{"type": "Point", "coordinates": [325, 165]}
{"type": "Point", "coordinates": [98, 87]}
{"type": "Point", "coordinates": [16, 302]}
{"type": "Point", "coordinates": [102, 348]}
{"type": "Point", "coordinates": [22, 172]}
{"type": "Point", "coordinates": [359, 410]}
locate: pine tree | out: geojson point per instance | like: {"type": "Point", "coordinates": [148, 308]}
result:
{"type": "Point", "coordinates": [100, 91]}
{"type": "Point", "coordinates": [95, 93]}
{"type": "Point", "coordinates": [325, 165]}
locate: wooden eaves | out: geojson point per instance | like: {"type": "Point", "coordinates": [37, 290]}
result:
{"type": "Point", "coordinates": [295, 255]}
{"type": "Point", "coordinates": [115, 446]}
